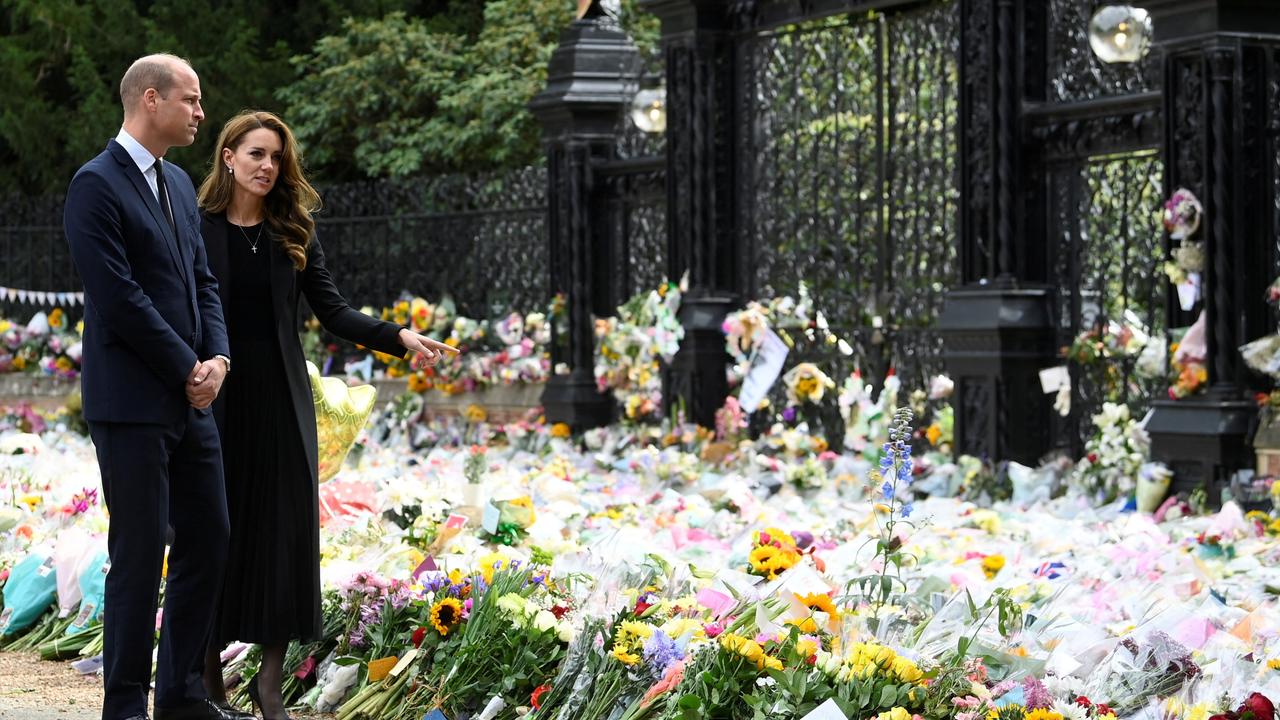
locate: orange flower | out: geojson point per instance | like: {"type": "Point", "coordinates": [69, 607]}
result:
{"type": "Point", "coordinates": [418, 383]}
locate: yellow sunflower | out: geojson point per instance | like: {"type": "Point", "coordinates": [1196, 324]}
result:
{"type": "Point", "coordinates": [819, 602]}
{"type": "Point", "coordinates": [445, 615]}
{"type": "Point", "coordinates": [762, 557]}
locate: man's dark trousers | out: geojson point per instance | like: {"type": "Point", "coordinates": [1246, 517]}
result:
{"type": "Point", "coordinates": [154, 476]}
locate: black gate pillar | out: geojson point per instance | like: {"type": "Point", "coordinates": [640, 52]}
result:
{"type": "Point", "coordinates": [590, 80]}
{"type": "Point", "coordinates": [697, 41]}
{"type": "Point", "coordinates": [1222, 119]}
{"type": "Point", "coordinates": [997, 327]}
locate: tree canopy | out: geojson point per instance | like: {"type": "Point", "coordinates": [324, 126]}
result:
{"type": "Point", "coordinates": [373, 88]}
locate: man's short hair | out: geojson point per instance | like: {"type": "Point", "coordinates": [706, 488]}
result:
{"type": "Point", "coordinates": [151, 71]}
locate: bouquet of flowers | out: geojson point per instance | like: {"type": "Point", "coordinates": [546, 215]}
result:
{"type": "Point", "coordinates": [633, 346]}
{"type": "Point", "coordinates": [1113, 456]}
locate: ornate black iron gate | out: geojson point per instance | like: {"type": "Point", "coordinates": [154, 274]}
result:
{"type": "Point", "coordinates": [847, 176]}
{"type": "Point", "coordinates": [629, 204]}
{"type": "Point", "coordinates": [1096, 139]}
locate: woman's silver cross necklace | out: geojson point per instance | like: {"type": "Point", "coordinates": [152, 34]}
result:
{"type": "Point", "coordinates": [253, 244]}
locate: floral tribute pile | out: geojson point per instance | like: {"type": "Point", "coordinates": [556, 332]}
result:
{"type": "Point", "coordinates": [47, 344]}
{"type": "Point", "coordinates": [824, 556]}
{"type": "Point", "coordinates": [667, 571]}
{"type": "Point", "coordinates": [512, 349]}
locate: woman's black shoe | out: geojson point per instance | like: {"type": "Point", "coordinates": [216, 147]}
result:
{"type": "Point", "coordinates": [255, 696]}
{"type": "Point", "coordinates": [232, 713]}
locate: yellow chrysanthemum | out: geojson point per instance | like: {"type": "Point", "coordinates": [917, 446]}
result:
{"type": "Point", "coordinates": [561, 430]}
{"type": "Point", "coordinates": [631, 635]}
{"type": "Point", "coordinates": [445, 615]}
{"type": "Point", "coordinates": [992, 565]}
{"type": "Point", "coordinates": [1042, 714]}
{"type": "Point", "coordinates": [624, 657]}
{"type": "Point", "coordinates": [1274, 663]}
{"type": "Point", "coordinates": [806, 648]}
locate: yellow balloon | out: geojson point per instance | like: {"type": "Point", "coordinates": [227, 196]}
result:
{"type": "Point", "coordinates": [341, 412]}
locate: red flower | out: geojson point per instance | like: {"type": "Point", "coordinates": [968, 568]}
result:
{"type": "Point", "coordinates": [305, 670]}
{"type": "Point", "coordinates": [641, 606]}
{"type": "Point", "coordinates": [1084, 702]}
{"type": "Point", "coordinates": [1224, 716]}
{"type": "Point", "coordinates": [1092, 457]}
{"type": "Point", "coordinates": [418, 635]}
{"type": "Point", "coordinates": [559, 611]}
{"type": "Point", "coordinates": [536, 698]}
{"type": "Point", "coordinates": [1259, 705]}
{"type": "Point", "coordinates": [1104, 709]}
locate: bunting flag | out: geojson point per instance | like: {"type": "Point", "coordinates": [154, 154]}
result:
{"type": "Point", "coordinates": [41, 297]}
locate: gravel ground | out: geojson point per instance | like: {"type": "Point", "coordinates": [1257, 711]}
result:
{"type": "Point", "coordinates": [32, 689]}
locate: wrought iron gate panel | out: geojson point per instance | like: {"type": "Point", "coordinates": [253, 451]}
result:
{"type": "Point", "coordinates": [633, 204]}
{"type": "Point", "coordinates": [630, 200]}
{"type": "Point", "coordinates": [479, 239]}
{"type": "Point", "coordinates": [1109, 257]}
{"type": "Point", "coordinates": [848, 176]}
{"type": "Point", "coordinates": [922, 182]}
{"type": "Point", "coordinates": [34, 251]}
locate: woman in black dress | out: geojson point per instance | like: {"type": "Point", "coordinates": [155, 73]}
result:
{"type": "Point", "coordinates": [259, 234]}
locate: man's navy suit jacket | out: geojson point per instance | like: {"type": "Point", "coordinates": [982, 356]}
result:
{"type": "Point", "coordinates": [151, 304]}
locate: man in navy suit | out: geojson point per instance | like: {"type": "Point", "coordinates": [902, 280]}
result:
{"type": "Point", "coordinates": [155, 355]}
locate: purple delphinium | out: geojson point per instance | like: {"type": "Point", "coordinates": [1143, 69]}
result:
{"type": "Point", "coordinates": [660, 652]}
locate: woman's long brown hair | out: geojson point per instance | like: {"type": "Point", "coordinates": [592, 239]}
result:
{"type": "Point", "coordinates": [292, 200]}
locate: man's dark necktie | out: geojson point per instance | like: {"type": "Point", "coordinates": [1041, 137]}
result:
{"type": "Point", "coordinates": [163, 192]}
